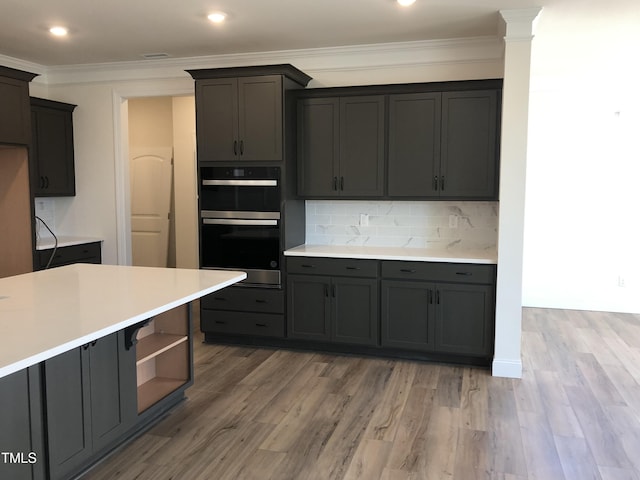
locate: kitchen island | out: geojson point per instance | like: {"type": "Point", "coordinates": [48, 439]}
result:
{"type": "Point", "coordinates": [75, 363]}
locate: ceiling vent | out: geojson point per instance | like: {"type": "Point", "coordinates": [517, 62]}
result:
{"type": "Point", "coordinates": [155, 56]}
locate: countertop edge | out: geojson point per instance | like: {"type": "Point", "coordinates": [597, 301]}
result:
{"type": "Point", "coordinates": [78, 342]}
{"type": "Point", "coordinates": [377, 253]}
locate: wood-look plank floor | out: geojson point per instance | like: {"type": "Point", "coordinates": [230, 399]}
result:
{"type": "Point", "coordinates": [276, 414]}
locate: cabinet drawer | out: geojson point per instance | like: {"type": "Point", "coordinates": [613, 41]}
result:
{"type": "Point", "coordinates": [83, 253]}
{"type": "Point", "coordinates": [345, 267]}
{"type": "Point", "coordinates": [440, 272]}
{"type": "Point", "coordinates": [244, 299]}
{"type": "Point", "coordinates": [242, 323]}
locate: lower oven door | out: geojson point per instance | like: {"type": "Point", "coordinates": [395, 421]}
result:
{"type": "Point", "coordinates": [250, 245]}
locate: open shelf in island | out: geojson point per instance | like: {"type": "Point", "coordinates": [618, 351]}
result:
{"type": "Point", "coordinates": [163, 356]}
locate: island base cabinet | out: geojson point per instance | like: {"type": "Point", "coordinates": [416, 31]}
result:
{"type": "Point", "coordinates": [21, 440]}
{"type": "Point", "coordinates": [89, 402]}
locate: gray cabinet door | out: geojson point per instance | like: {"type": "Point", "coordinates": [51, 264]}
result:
{"type": "Point", "coordinates": [318, 147]}
{"type": "Point", "coordinates": [113, 384]}
{"type": "Point", "coordinates": [260, 118]}
{"type": "Point", "coordinates": [68, 411]}
{"type": "Point", "coordinates": [90, 401]}
{"type": "Point", "coordinates": [217, 119]}
{"type": "Point", "coordinates": [52, 148]}
{"type": "Point", "coordinates": [21, 426]}
{"type": "Point", "coordinates": [308, 313]}
{"type": "Point", "coordinates": [354, 310]}
{"type": "Point", "coordinates": [469, 158]}
{"type": "Point", "coordinates": [414, 145]}
{"type": "Point", "coordinates": [464, 321]}
{"type": "Point", "coordinates": [408, 316]}
{"type": "Point", "coordinates": [15, 118]}
{"type": "Point", "coordinates": [362, 143]}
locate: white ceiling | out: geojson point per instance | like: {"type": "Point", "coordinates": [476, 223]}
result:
{"type": "Point", "coordinates": [124, 30]}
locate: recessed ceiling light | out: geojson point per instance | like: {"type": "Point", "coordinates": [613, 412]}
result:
{"type": "Point", "coordinates": [58, 31]}
{"type": "Point", "coordinates": [406, 3]}
{"type": "Point", "coordinates": [217, 17]}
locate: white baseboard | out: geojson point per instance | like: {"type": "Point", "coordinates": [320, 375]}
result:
{"type": "Point", "coordinates": [506, 368]}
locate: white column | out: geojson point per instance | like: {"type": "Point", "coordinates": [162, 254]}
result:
{"type": "Point", "coordinates": [519, 23]}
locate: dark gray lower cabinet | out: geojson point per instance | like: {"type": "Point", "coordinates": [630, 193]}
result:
{"type": "Point", "coordinates": [438, 307]}
{"type": "Point", "coordinates": [243, 311]}
{"type": "Point", "coordinates": [333, 309]}
{"type": "Point", "coordinates": [21, 438]}
{"type": "Point", "coordinates": [90, 402]}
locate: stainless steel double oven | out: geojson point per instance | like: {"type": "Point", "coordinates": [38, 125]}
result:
{"type": "Point", "coordinates": [240, 222]}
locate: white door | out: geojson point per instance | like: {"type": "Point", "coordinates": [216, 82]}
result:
{"type": "Point", "coordinates": [151, 173]}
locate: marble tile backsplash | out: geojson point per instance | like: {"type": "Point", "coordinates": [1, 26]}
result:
{"type": "Point", "coordinates": [402, 223]}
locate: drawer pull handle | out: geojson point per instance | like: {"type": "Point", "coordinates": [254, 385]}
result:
{"type": "Point", "coordinates": [466, 274]}
{"type": "Point", "coordinates": [220, 322]}
{"type": "Point", "coordinates": [220, 299]}
{"type": "Point", "coordinates": [352, 268]}
{"type": "Point", "coordinates": [259, 300]}
{"type": "Point", "coordinates": [306, 265]}
{"type": "Point", "coordinates": [261, 325]}
{"type": "Point", "coordinates": [407, 270]}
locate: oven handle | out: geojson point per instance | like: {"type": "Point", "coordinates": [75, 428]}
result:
{"type": "Point", "coordinates": [240, 214]}
{"type": "Point", "coordinates": [241, 183]}
{"type": "Point", "coordinates": [237, 221]}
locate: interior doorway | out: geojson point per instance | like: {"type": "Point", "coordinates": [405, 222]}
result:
{"type": "Point", "coordinates": [162, 193]}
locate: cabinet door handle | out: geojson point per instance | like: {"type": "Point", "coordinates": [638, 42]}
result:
{"type": "Point", "coordinates": [466, 274]}
{"type": "Point", "coordinates": [435, 182]}
{"type": "Point", "coordinates": [430, 296]}
{"type": "Point", "coordinates": [407, 270]}
{"type": "Point", "coordinates": [335, 183]}
{"type": "Point", "coordinates": [41, 182]}
{"type": "Point", "coordinates": [442, 183]}
{"type": "Point", "coordinates": [261, 325]}
{"type": "Point", "coordinates": [438, 297]}
{"type": "Point", "coordinates": [241, 147]}
{"type": "Point", "coordinates": [333, 291]}
{"type": "Point", "coordinates": [326, 290]}
{"type": "Point", "coordinates": [235, 147]}
{"type": "Point", "coordinates": [341, 183]}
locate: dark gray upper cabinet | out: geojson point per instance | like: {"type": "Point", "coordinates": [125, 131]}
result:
{"type": "Point", "coordinates": [441, 141]}
{"type": "Point", "coordinates": [15, 119]}
{"type": "Point", "coordinates": [469, 160]}
{"type": "Point", "coordinates": [240, 118]}
{"type": "Point", "coordinates": [341, 144]}
{"type": "Point", "coordinates": [414, 144]}
{"type": "Point", "coordinates": [239, 111]}
{"type": "Point", "coordinates": [52, 148]}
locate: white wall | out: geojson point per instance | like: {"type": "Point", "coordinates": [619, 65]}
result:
{"type": "Point", "coordinates": [581, 228]}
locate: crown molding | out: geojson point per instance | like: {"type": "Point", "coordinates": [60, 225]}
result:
{"type": "Point", "coordinates": [346, 58]}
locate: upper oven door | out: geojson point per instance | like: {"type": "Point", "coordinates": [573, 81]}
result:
{"type": "Point", "coordinates": [255, 189]}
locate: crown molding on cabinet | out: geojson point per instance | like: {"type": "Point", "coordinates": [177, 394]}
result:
{"type": "Point", "coordinates": [347, 58]}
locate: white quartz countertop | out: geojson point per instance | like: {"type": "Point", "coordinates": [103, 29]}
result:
{"type": "Point", "coordinates": [489, 256]}
{"type": "Point", "coordinates": [64, 241]}
{"type": "Point", "coordinates": [45, 313]}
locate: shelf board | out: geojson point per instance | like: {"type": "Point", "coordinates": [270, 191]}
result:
{"type": "Point", "coordinates": [153, 345]}
{"type": "Point", "coordinates": [156, 389]}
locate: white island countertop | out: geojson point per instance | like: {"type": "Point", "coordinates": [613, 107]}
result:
{"type": "Point", "coordinates": [45, 313]}
{"type": "Point", "coordinates": [459, 255]}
